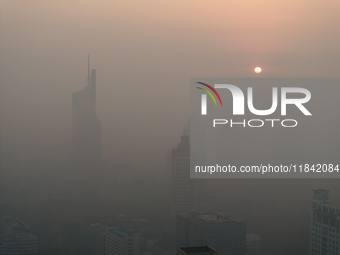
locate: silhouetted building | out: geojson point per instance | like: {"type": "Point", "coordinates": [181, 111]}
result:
{"type": "Point", "coordinates": [98, 234]}
{"type": "Point", "coordinates": [225, 234]}
{"type": "Point", "coordinates": [324, 237]}
{"type": "Point", "coordinates": [86, 125]}
{"type": "Point", "coordinates": [183, 189]}
{"type": "Point", "coordinates": [119, 242]}
{"type": "Point", "coordinates": [16, 238]}
{"type": "Point", "coordinates": [86, 139]}
{"type": "Point", "coordinates": [198, 250]}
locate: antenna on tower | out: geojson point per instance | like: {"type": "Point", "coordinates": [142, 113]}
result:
{"type": "Point", "coordinates": [88, 70]}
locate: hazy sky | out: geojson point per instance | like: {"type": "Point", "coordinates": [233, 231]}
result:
{"type": "Point", "coordinates": [145, 52]}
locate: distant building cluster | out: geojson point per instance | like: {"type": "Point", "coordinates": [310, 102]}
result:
{"type": "Point", "coordinates": [191, 232]}
{"type": "Point", "coordinates": [16, 237]}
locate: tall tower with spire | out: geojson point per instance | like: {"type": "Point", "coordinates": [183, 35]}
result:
{"type": "Point", "coordinates": [86, 125]}
{"type": "Point", "coordinates": [183, 188]}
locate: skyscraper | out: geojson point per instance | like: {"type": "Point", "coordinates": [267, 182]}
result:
{"type": "Point", "coordinates": [86, 137]}
{"type": "Point", "coordinates": [86, 125]}
{"type": "Point", "coordinates": [98, 231]}
{"type": "Point", "coordinates": [324, 235]}
{"type": "Point", "coordinates": [225, 234]}
{"type": "Point", "coordinates": [183, 189]}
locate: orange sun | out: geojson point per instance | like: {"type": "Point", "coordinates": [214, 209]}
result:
{"type": "Point", "coordinates": [257, 69]}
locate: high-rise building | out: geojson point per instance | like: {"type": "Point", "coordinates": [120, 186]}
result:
{"type": "Point", "coordinates": [86, 125]}
{"type": "Point", "coordinates": [197, 250]}
{"type": "Point", "coordinates": [98, 231]}
{"type": "Point", "coordinates": [119, 242]}
{"type": "Point", "coordinates": [86, 138]}
{"type": "Point", "coordinates": [16, 238]}
{"type": "Point", "coordinates": [324, 236]}
{"type": "Point", "coordinates": [225, 234]}
{"type": "Point", "coordinates": [183, 189]}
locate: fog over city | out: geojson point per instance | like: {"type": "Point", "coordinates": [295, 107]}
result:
{"type": "Point", "coordinates": [144, 54]}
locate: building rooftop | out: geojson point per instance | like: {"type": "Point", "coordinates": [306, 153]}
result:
{"type": "Point", "coordinates": [15, 223]}
{"type": "Point", "coordinates": [197, 249]}
{"type": "Point", "coordinates": [216, 217]}
{"type": "Point", "coordinates": [118, 232]}
{"type": "Point", "coordinates": [122, 232]}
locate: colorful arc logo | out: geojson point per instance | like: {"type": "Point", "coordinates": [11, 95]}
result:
{"type": "Point", "coordinates": [208, 92]}
{"type": "Point", "coordinates": [204, 97]}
